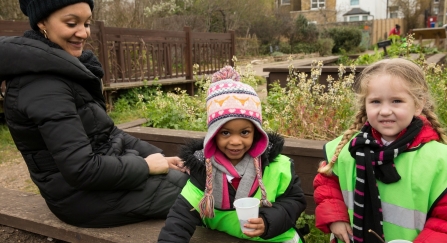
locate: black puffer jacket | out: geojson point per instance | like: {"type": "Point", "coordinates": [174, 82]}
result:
{"type": "Point", "coordinates": [182, 221]}
{"type": "Point", "coordinates": [90, 173]}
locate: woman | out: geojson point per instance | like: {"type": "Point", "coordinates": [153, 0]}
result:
{"type": "Point", "coordinates": [90, 173]}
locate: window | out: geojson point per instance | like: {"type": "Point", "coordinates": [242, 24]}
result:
{"type": "Point", "coordinates": [354, 2]}
{"type": "Point", "coordinates": [435, 10]}
{"type": "Point", "coordinates": [393, 15]}
{"type": "Point", "coordinates": [365, 17]}
{"type": "Point", "coordinates": [285, 2]}
{"type": "Point", "coordinates": [317, 4]}
{"type": "Point", "coordinates": [354, 18]}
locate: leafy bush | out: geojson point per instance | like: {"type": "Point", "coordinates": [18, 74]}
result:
{"type": "Point", "coordinates": [303, 31]}
{"type": "Point", "coordinates": [285, 47]}
{"type": "Point", "coordinates": [305, 48]}
{"type": "Point", "coordinates": [325, 46]}
{"type": "Point", "coordinates": [277, 54]}
{"type": "Point", "coordinates": [307, 109]}
{"type": "Point", "coordinates": [436, 77]}
{"type": "Point", "coordinates": [344, 38]}
{"type": "Point", "coordinates": [315, 235]}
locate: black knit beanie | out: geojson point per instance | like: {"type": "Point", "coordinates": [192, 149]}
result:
{"type": "Point", "coordinates": [36, 10]}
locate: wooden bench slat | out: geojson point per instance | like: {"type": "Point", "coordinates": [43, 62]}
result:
{"type": "Point", "coordinates": [27, 211]}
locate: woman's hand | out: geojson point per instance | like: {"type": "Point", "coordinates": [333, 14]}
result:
{"type": "Point", "coordinates": [177, 164]}
{"type": "Point", "coordinates": [257, 224]}
{"type": "Point", "coordinates": [157, 163]}
{"type": "Point", "coordinates": [341, 230]}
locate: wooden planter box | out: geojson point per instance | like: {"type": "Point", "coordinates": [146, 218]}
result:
{"type": "Point", "coordinates": [280, 74]}
{"type": "Point", "coordinates": [306, 154]}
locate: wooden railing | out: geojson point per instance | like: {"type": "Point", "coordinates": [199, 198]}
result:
{"type": "Point", "coordinates": [138, 55]}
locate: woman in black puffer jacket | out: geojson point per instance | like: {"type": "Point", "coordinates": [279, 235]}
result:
{"type": "Point", "coordinates": [90, 173]}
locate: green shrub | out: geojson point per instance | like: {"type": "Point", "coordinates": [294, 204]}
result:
{"type": "Point", "coordinates": [325, 46]}
{"type": "Point", "coordinates": [344, 38]}
{"type": "Point", "coordinates": [277, 54]}
{"type": "Point", "coordinates": [305, 48]}
{"type": "Point", "coordinates": [315, 235]}
{"type": "Point", "coordinates": [303, 31]}
{"type": "Point", "coordinates": [285, 47]}
{"type": "Point", "coordinates": [307, 109]}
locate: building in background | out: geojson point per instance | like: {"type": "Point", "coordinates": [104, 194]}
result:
{"type": "Point", "coordinates": [316, 11]}
{"type": "Point", "coordinates": [360, 10]}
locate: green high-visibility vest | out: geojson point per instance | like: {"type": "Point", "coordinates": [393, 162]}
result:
{"type": "Point", "coordinates": [406, 203]}
{"type": "Point", "coordinates": [277, 177]}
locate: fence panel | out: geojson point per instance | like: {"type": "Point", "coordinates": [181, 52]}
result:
{"type": "Point", "coordinates": [212, 51]}
{"type": "Point", "coordinates": [136, 55]}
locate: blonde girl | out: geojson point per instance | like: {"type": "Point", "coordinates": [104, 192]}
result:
{"type": "Point", "coordinates": [387, 174]}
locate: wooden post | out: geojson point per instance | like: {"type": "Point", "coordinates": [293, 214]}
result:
{"type": "Point", "coordinates": [103, 52]}
{"type": "Point", "coordinates": [233, 47]}
{"type": "Point", "coordinates": [188, 54]}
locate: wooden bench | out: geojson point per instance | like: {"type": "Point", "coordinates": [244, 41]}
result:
{"type": "Point", "coordinates": [437, 34]}
{"type": "Point", "coordinates": [28, 212]}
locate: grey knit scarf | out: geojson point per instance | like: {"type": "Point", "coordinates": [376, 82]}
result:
{"type": "Point", "coordinates": [246, 170]}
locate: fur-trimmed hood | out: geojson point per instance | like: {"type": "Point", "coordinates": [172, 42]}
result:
{"type": "Point", "coordinates": [192, 152]}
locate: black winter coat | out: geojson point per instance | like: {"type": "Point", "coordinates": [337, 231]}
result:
{"type": "Point", "coordinates": [182, 221]}
{"type": "Point", "coordinates": [90, 173]}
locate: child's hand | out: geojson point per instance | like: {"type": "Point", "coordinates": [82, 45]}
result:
{"type": "Point", "coordinates": [341, 230]}
{"type": "Point", "coordinates": [257, 224]}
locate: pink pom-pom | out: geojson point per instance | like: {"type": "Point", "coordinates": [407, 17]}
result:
{"type": "Point", "coordinates": [226, 72]}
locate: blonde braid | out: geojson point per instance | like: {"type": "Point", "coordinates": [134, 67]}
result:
{"type": "Point", "coordinates": [433, 119]}
{"type": "Point", "coordinates": [360, 119]}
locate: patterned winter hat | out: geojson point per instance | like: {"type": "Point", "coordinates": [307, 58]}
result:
{"type": "Point", "coordinates": [230, 99]}
{"type": "Point", "coordinates": [37, 10]}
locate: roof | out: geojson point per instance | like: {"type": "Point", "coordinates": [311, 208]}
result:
{"type": "Point", "coordinates": [356, 11]}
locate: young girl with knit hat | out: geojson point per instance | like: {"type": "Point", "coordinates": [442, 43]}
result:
{"type": "Point", "coordinates": [236, 159]}
{"type": "Point", "coordinates": [387, 174]}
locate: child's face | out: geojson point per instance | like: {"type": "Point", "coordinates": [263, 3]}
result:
{"type": "Point", "coordinates": [389, 106]}
{"type": "Point", "coordinates": [235, 138]}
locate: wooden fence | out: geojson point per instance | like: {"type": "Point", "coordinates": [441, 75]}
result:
{"type": "Point", "coordinates": [132, 56]}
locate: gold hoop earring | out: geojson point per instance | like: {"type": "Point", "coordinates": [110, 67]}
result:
{"type": "Point", "coordinates": [45, 34]}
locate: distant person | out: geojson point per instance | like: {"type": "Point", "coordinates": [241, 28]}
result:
{"type": "Point", "coordinates": [395, 30]}
{"type": "Point", "coordinates": [236, 159]}
{"type": "Point", "coordinates": [90, 173]}
{"type": "Point", "coordinates": [386, 177]}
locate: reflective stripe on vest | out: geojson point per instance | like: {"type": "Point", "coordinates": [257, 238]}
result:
{"type": "Point", "coordinates": [405, 203]}
{"type": "Point", "coordinates": [276, 177]}
{"type": "Point", "coordinates": [403, 217]}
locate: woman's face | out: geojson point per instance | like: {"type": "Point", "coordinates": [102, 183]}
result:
{"type": "Point", "coordinates": [69, 27]}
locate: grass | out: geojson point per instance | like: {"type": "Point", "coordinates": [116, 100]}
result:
{"type": "Point", "coordinates": [7, 148]}
{"type": "Point", "coordinates": [125, 116]}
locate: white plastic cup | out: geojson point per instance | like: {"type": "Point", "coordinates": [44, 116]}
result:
{"type": "Point", "coordinates": [246, 208]}
{"type": "Point", "coordinates": [400, 241]}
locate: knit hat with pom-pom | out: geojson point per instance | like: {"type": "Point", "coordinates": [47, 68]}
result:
{"type": "Point", "coordinates": [230, 99]}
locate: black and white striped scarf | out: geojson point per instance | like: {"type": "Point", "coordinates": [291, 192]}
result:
{"type": "Point", "coordinates": [374, 161]}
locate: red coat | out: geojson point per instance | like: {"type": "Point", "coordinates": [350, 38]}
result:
{"type": "Point", "coordinates": [394, 31]}
{"type": "Point", "coordinates": [332, 208]}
